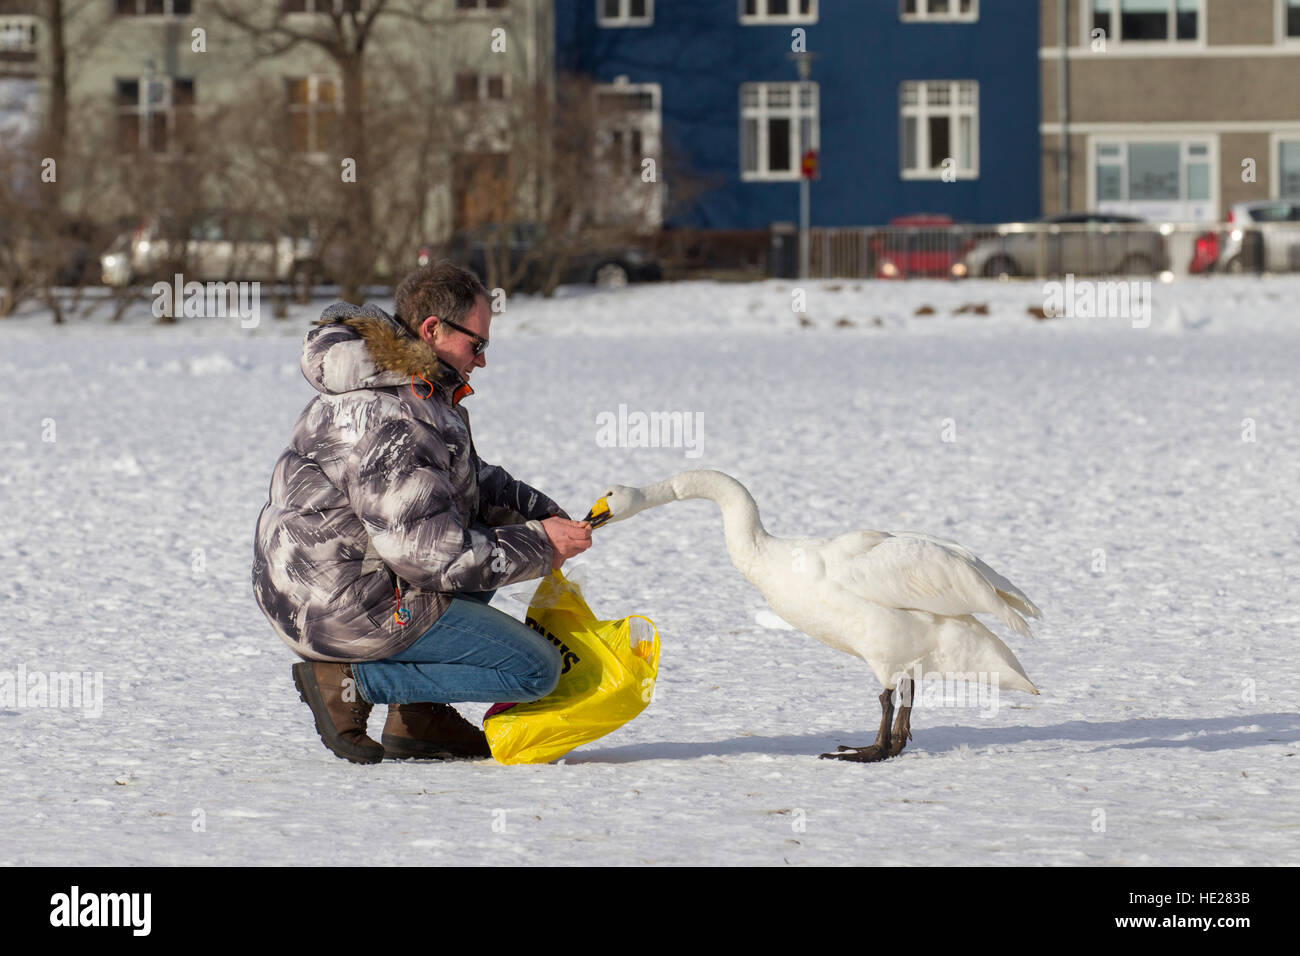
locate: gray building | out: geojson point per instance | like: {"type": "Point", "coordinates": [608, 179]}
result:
{"type": "Point", "coordinates": [1169, 109]}
{"type": "Point", "coordinates": [161, 72]}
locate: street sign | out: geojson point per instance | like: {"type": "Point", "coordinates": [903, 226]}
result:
{"type": "Point", "coordinates": [809, 165]}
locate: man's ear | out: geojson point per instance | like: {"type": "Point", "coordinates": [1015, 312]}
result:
{"type": "Point", "coordinates": [428, 327]}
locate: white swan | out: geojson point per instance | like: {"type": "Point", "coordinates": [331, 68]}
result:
{"type": "Point", "coordinates": [902, 602]}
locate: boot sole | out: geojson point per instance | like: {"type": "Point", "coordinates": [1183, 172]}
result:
{"type": "Point", "coordinates": [309, 693]}
{"type": "Point", "coordinates": [403, 748]}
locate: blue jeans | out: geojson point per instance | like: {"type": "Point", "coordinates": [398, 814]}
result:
{"type": "Point", "coordinates": [471, 653]}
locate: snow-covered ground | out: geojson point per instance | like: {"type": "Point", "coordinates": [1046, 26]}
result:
{"type": "Point", "coordinates": [1103, 467]}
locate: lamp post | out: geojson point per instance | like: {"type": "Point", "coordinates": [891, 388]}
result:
{"type": "Point", "coordinates": [808, 165]}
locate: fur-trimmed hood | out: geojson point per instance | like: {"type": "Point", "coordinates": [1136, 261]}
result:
{"type": "Point", "coordinates": [353, 347]}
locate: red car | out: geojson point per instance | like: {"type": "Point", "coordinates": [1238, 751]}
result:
{"type": "Point", "coordinates": [918, 246]}
{"type": "Point", "coordinates": [1205, 253]}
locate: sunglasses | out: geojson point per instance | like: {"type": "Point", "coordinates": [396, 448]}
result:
{"type": "Point", "coordinates": [480, 343]}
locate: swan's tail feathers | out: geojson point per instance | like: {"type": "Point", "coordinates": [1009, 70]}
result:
{"type": "Point", "coordinates": [1013, 620]}
{"type": "Point", "coordinates": [965, 646]}
{"type": "Point", "coordinates": [1016, 598]}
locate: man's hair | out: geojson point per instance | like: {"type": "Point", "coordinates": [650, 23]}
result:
{"type": "Point", "coordinates": [441, 288]}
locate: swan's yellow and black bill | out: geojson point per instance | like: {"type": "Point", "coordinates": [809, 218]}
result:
{"type": "Point", "coordinates": [599, 513]}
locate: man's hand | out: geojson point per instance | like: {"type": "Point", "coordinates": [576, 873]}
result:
{"type": "Point", "coordinates": [568, 538]}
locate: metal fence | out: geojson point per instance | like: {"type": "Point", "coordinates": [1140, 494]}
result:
{"type": "Point", "coordinates": [1044, 250]}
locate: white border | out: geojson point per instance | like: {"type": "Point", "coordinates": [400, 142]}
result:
{"type": "Point", "coordinates": [625, 18]}
{"type": "Point", "coordinates": [1116, 41]}
{"type": "Point", "coordinates": [954, 109]}
{"type": "Point", "coordinates": [1141, 132]}
{"type": "Point", "coordinates": [1275, 141]}
{"type": "Point", "coordinates": [796, 173]}
{"type": "Point", "coordinates": [766, 19]}
{"type": "Point", "coordinates": [1279, 29]}
{"type": "Point", "coordinates": [929, 17]}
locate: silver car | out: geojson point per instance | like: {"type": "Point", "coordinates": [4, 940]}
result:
{"type": "Point", "coordinates": [1082, 243]}
{"type": "Point", "coordinates": [211, 248]}
{"type": "Point", "coordinates": [1265, 237]}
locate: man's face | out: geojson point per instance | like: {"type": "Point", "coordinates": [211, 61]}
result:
{"type": "Point", "coordinates": [455, 347]}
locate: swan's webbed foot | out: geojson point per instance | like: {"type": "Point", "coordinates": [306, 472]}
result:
{"type": "Point", "coordinates": [890, 741]}
{"type": "Point", "coordinates": [871, 754]}
{"type": "Point", "coordinates": [882, 749]}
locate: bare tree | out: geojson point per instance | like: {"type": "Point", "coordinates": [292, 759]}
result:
{"type": "Point", "coordinates": [342, 31]}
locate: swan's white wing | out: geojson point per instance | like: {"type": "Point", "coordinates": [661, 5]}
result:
{"type": "Point", "coordinates": [1012, 594]}
{"type": "Point", "coordinates": [918, 572]}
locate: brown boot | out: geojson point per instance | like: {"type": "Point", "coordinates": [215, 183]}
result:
{"type": "Point", "coordinates": [432, 731]}
{"type": "Point", "coordinates": [339, 709]}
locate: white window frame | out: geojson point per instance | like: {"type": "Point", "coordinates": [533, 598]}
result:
{"type": "Point", "coordinates": [167, 106]}
{"type": "Point", "coordinates": [923, 13]}
{"type": "Point", "coordinates": [313, 106]}
{"type": "Point", "coordinates": [1137, 135]}
{"type": "Point", "coordinates": [761, 15]}
{"type": "Point", "coordinates": [168, 10]}
{"type": "Point", "coordinates": [1115, 37]}
{"type": "Point", "coordinates": [1275, 141]}
{"type": "Point", "coordinates": [1282, 39]}
{"type": "Point", "coordinates": [625, 17]}
{"type": "Point", "coordinates": [954, 109]}
{"type": "Point", "coordinates": [19, 33]}
{"type": "Point", "coordinates": [650, 127]}
{"type": "Point", "coordinates": [795, 112]}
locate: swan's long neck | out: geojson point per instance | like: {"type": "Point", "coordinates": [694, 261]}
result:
{"type": "Point", "coordinates": [744, 531]}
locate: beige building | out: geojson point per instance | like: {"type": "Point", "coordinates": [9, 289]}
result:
{"type": "Point", "coordinates": [1171, 110]}
{"type": "Point", "coordinates": [160, 68]}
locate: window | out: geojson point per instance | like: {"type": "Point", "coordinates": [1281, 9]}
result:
{"type": "Point", "coordinates": [1149, 21]}
{"type": "Point", "coordinates": [629, 133]}
{"type": "Point", "coordinates": [1288, 168]}
{"type": "Point", "coordinates": [320, 6]}
{"type": "Point", "coordinates": [480, 87]}
{"type": "Point", "coordinates": [481, 4]}
{"type": "Point", "coordinates": [923, 10]}
{"type": "Point", "coordinates": [1288, 21]}
{"type": "Point", "coordinates": [18, 34]}
{"type": "Point", "coordinates": [778, 124]}
{"type": "Point", "coordinates": [625, 13]}
{"type": "Point", "coordinates": [940, 120]}
{"type": "Point", "coordinates": [154, 8]}
{"type": "Point", "coordinates": [778, 11]}
{"type": "Point", "coordinates": [154, 113]}
{"type": "Point", "coordinates": [1167, 178]}
{"type": "Point", "coordinates": [314, 107]}
{"type": "Point", "coordinates": [629, 126]}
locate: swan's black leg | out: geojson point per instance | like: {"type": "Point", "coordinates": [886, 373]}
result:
{"type": "Point", "coordinates": [902, 732]}
{"type": "Point", "coordinates": [880, 749]}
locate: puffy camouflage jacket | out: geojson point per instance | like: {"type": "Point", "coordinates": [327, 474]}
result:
{"type": "Point", "coordinates": [381, 474]}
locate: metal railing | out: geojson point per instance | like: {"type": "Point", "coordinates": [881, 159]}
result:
{"type": "Point", "coordinates": [1045, 250]}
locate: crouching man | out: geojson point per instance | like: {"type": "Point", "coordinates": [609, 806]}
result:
{"type": "Point", "coordinates": [385, 535]}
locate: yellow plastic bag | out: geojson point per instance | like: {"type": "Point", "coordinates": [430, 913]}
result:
{"type": "Point", "coordinates": [608, 677]}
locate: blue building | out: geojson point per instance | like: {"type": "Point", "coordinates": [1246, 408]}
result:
{"type": "Point", "coordinates": [913, 106]}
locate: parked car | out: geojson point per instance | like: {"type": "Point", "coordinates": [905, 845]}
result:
{"type": "Point", "coordinates": [213, 247]}
{"type": "Point", "coordinates": [1205, 252]}
{"type": "Point", "coordinates": [606, 265]}
{"type": "Point", "coordinates": [918, 246]}
{"type": "Point", "coordinates": [1274, 224]}
{"type": "Point", "coordinates": [1089, 244]}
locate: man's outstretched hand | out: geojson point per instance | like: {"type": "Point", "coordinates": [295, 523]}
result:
{"type": "Point", "coordinates": [568, 538]}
